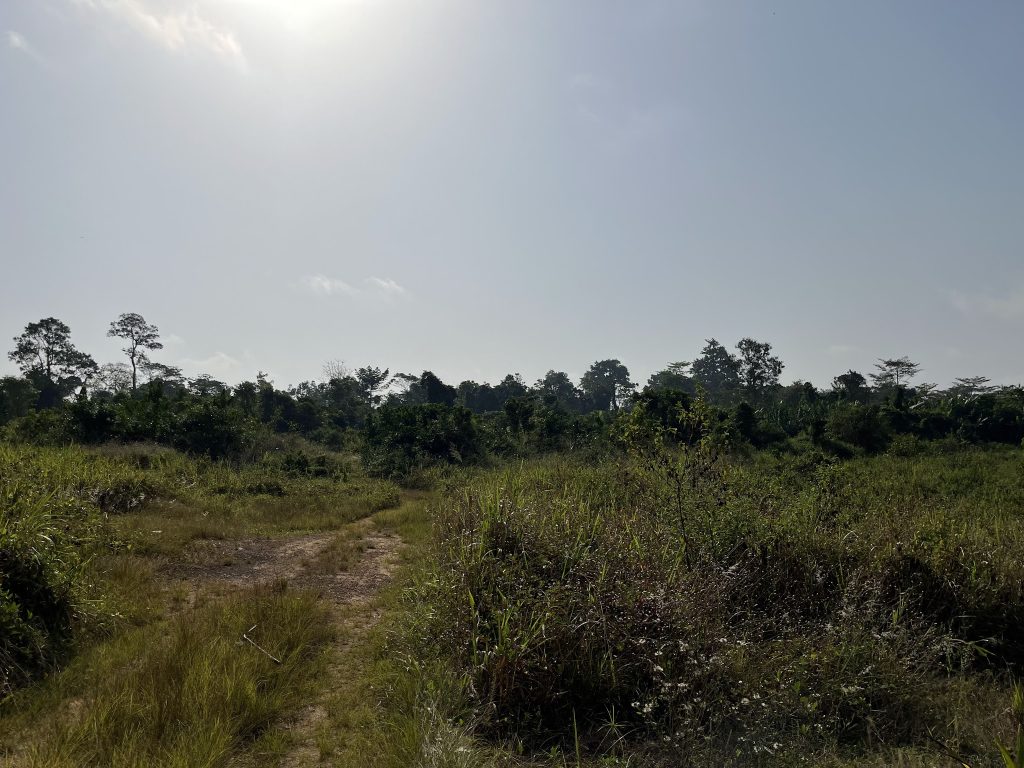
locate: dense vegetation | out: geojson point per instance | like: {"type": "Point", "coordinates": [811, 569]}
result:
{"type": "Point", "coordinates": [404, 422]}
{"type": "Point", "coordinates": [715, 568]}
{"type": "Point", "coordinates": [764, 608]}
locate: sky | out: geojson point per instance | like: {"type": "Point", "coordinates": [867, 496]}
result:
{"type": "Point", "coordinates": [478, 188]}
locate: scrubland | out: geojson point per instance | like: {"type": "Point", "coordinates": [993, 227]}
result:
{"type": "Point", "coordinates": [666, 604]}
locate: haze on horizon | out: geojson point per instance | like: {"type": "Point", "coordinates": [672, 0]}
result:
{"type": "Point", "coordinates": [478, 189]}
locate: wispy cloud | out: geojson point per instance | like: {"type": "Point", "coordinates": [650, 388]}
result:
{"type": "Point", "coordinates": [321, 285]}
{"type": "Point", "coordinates": [176, 30]}
{"type": "Point", "coordinates": [386, 286]}
{"type": "Point", "coordinates": [1008, 307]}
{"type": "Point", "coordinates": [17, 41]}
{"type": "Point", "coordinates": [373, 287]}
{"type": "Point", "coordinates": [217, 364]}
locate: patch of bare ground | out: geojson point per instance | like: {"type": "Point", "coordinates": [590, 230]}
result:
{"type": "Point", "coordinates": [363, 563]}
{"type": "Point", "coordinates": [347, 568]}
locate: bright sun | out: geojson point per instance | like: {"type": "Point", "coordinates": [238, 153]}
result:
{"type": "Point", "coordinates": [294, 12]}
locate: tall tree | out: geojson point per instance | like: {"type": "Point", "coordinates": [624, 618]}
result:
{"type": "Point", "coordinates": [971, 385]}
{"type": "Point", "coordinates": [44, 347]}
{"type": "Point", "coordinates": [510, 387]}
{"type": "Point", "coordinates": [205, 385]}
{"type": "Point", "coordinates": [479, 398]}
{"type": "Point", "coordinates": [171, 376]}
{"type": "Point", "coordinates": [607, 384]}
{"type": "Point", "coordinates": [674, 376]}
{"type": "Point", "coordinates": [428, 388]}
{"type": "Point", "coordinates": [405, 389]}
{"type": "Point", "coordinates": [17, 396]}
{"type": "Point", "coordinates": [895, 372]}
{"type": "Point", "coordinates": [717, 370]}
{"type": "Point", "coordinates": [335, 369]}
{"type": "Point", "coordinates": [139, 337]}
{"type": "Point", "coordinates": [557, 389]}
{"type": "Point", "coordinates": [851, 386]}
{"type": "Point", "coordinates": [371, 380]}
{"type": "Point", "coordinates": [47, 357]}
{"type": "Point", "coordinates": [759, 368]}
{"type": "Point", "coordinates": [113, 379]}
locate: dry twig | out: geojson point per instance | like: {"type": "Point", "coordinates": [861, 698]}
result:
{"type": "Point", "coordinates": [257, 646]}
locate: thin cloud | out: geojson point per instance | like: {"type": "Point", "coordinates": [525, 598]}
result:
{"type": "Point", "coordinates": [175, 30]}
{"type": "Point", "coordinates": [586, 81]}
{"type": "Point", "coordinates": [373, 288]}
{"type": "Point", "coordinates": [218, 364]}
{"type": "Point", "coordinates": [17, 42]}
{"type": "Point", "coordinates": [1010, 307]}
{"type": "Point", "coordinates": [387, 286]}
{"type": "Point", "coordinates": [321, 285]}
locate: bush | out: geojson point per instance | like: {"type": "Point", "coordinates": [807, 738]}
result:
{"type": "Point", "coordinates": [43, 536]}
{"type": "Point", "coordinates": [857, 425]}
{"type": "Point", "coordinates": [402, 438]}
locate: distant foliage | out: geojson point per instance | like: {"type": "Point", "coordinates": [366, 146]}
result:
{"type": "Point", "coordinates": [401, 438]}
{"type": "Point", "coordinates": [405, 422]}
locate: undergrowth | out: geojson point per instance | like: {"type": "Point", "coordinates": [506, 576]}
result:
{"type": "Point", "coordinates": [726, 609]}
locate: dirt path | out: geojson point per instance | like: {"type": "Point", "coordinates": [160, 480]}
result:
{"type": "Point", "coordinates": [306, 562]}
{"type": "Point", "coordinates": [347, 568]}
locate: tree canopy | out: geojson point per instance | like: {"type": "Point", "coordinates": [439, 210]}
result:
{"type": "Point", "coordinates": [139, 336]}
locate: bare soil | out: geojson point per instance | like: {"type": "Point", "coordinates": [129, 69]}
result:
{"type": "Point", "coordinates": [244, 563]}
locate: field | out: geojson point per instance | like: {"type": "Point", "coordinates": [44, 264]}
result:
{"type": "Point", "coordinates": [666, 605]}
{"type": "Point", "coordinates": [773, 612]}
{"type": "Point", "coordinates": [162, 610]}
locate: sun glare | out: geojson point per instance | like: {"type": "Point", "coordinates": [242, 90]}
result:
{"type": "Point", "coordinates": [295, 15]}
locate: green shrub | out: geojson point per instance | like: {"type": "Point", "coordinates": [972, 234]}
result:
{"type": "Point", "coordinates": [45, 532]}
{"type": "Point", "coordinates": [857, 425]}
{"type": "Point", "coordinates": [400, 439]}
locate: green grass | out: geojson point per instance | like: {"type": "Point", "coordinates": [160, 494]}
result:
{"type": "Point", "coordinates": [762, 611]}
{"type": "Point", "coordinates": [772, 611]}
{"type": "Point", "coordinates": [184, 692]}
{"type": "Point", "coordinates": [133, 669]}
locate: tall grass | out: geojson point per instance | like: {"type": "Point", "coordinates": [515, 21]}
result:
{"type": "Point", "coordinates": [47, 533]}
{"type": "Point", "coordinates": [781, 606]}
{"type": "Point", "coordinates": [186, 692]}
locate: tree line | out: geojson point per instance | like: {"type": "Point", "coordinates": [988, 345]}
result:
{"type": "Point", "coordinates": [404, 420]}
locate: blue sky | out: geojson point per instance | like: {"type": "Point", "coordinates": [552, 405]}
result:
{"type": "Point", "coordinates": [479, 188]}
